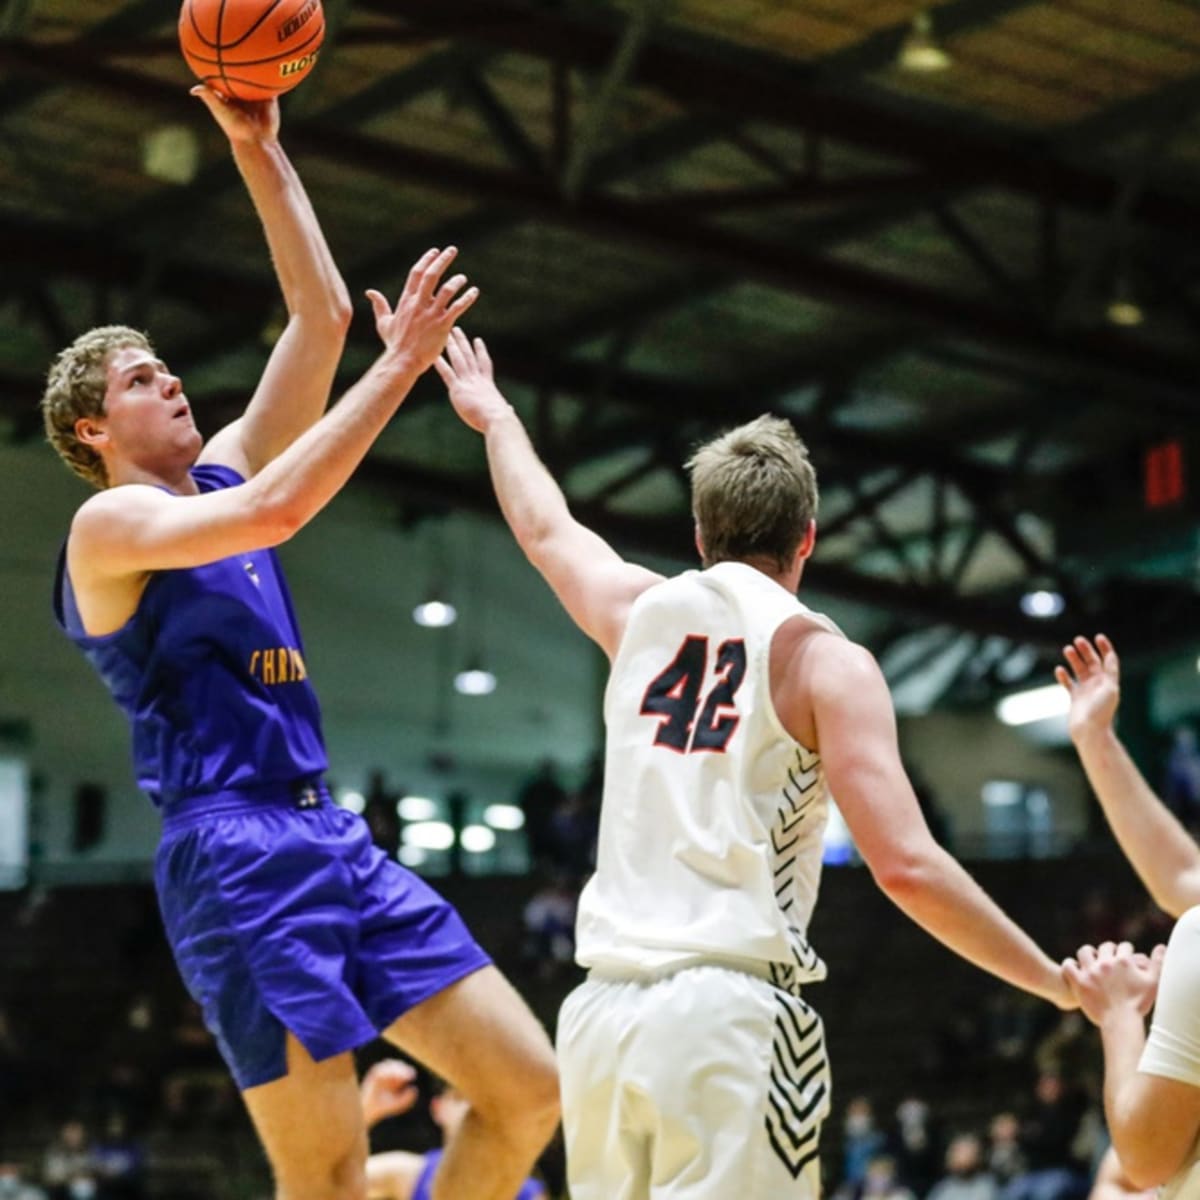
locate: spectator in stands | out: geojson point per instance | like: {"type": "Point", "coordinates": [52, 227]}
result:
{"type": "Point", "coordinates": [1048, 1131]}
{"type": "Point", "coordinates": [119, 1161]}
{"type": "Point", "coordinates": [881, 1181]}
{"type": "Point", "coordinates": [68, 1167]}
{"type": "Point", "coordinates": [862, 1140]}
{"type": "Point", "coordinates": [14, 1185]}
{"type": "Point", "coordinates": [967, 1176]}
{"type": "Point", "coordinates": [549, 920]}
{"type": "Point", "coordinates": [1181, 792]}
{"type": "Point", "coordinates": [1069, 1050]}
{"type": "Point", "coordinates": [1005, 1158]}
{"type": "Point", "coordinates": [914, 1144]}
{"type": "Point", "coordinates": [573, 830]}
{"type": "Point", "coordinates": [539, 799]}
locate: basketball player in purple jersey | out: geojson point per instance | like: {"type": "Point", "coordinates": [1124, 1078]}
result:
{"type": "Point", "coordinates": [692, 1065]}
{"type": "Point", "coordinates": [299, 939]}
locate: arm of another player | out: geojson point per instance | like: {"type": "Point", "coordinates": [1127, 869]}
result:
{"type": "Point", "coordinates": [857, 741]}
{"type": "Point", "coordinates": [593, 582]}
{"type": "Point", "coordinates": [1153, 1118]}
{"type": "Point", "coordinates": [1111, 1182]}
{"type": "Point", "coordinates": [295, 386]}
{"type": "Point", "coordinates": [135, 529]}
{"type": "Point", "coordinates": [389, 1089]}
{"type": "Point", "coordinates": [1162, 852]}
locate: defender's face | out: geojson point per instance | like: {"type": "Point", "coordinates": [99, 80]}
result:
{"type": "Point", "coordinates": [145, 410]}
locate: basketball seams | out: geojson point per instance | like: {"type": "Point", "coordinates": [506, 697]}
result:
{"type": "Point", "coordinates": [261, 18]}
{"type": "Point", "coordinates": [190, 10]}
{"type": "Point", "coordinates": [255, 62]}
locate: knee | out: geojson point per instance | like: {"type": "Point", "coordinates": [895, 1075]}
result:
{"type": "Point", "coordinates": [540, 1097]}
{"type": "Point", "coordinates": [344, 1180]}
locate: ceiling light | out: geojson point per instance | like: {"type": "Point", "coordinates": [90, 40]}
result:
{"type": "Point", "coordinates": [416, 808]}
{"type": "Point", "coordinates": [435, 614]}
{"type": "Point", "coordinates": [920, 52]}
{"type": "Point", "coordinates": [413, 856]}
{"type": "Point", "coordinates": [429, 835]}
{"type": "Point", "coordinates": [1043, 604]}
{"type": "Point", "coordinates": [1123, 309]}
{"type": "Point", "coordinates": [475, 681]}
{"type": "Point", "coordinates": [1037, 704]}
{"type": "Point", "coordinates": [171, 154]}
{"type": "Point", "coordinates": [504, 816]}
{"type": "Point", "coordinates": [477, 839]}
{"type": "Point", "coordinates": [352, 801]}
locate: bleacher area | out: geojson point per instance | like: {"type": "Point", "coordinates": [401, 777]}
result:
{"type": "Point", "coordinates": [74, 959]}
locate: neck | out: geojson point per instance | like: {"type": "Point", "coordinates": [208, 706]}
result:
{"type": "Point", "coordinates": [789, 580]}
{"type": "Point", "coordinates": [175, 477]}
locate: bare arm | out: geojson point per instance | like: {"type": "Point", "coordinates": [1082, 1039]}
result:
{"type": "Point", "coordinates": [131, 530]}
{"type": "Point", "coordinates": [1111, 1182]}
{"type": "Point", "coordinates": [592, 581]}
{"type": "Point", "coordinates": [1161, 851]}
{"type": "Point", "coordinates": [856, 736]}
{"type": "Point", "coordinates": [295, 386]}
{"type": "Point", "coordinates": [1153, 1119]}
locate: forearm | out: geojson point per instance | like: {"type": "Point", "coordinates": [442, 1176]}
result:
{"type": "Point", "coordinates": [311, 284]}
{"type": "Point", "coordinates": [938, 894]}
{"type": "Point", "coordinates": [309, 473]}
{"type": "Point", "coordinates": [1159, 848]}
{"type": "Point", "coordinates": [532, 502]}
{"type": "Point", "coordinates": [1123, 1034]}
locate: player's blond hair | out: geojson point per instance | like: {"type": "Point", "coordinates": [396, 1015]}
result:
{"type": "Point", "coordinates": [75, 387]}
{"type": "Point", "coordinates": [754, 492]}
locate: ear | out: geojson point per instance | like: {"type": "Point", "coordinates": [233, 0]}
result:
{"type": "Point", "coordinates": [808, 541]}
{"type": "Point", "coordinates": [91, 432]}
{"type": "Point", "coordinates": [699, 541]}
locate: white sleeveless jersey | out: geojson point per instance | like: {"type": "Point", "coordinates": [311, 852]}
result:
{"type": "Point", "coordinates": [712, 820]}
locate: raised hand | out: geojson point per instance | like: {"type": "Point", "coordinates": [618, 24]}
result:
{"type": "Point", "coordinates": [1111, 976]}
{"type": "Point", "coordinates": [1094, 683]}
{"type": "Point", "coordinates": [466, 370]}
{"type": "Point", "coordinates": [388, 1089]}
{"type": "Point", "coordinates": [242, 120]}
{"type": "Point", "coordinates": [426, 311]}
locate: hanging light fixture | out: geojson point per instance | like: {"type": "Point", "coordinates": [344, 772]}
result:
{"type": "Point", "coordinates": [475, 679]}
{"type": "Point", "coordinates": [921, 53]}
{"type": "Point", "coordinates": [1123, 309]}
{"type": "Point", "coordinates": [434, 612]}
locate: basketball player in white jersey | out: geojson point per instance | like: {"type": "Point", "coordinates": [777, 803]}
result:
{"type": "Point", "coordinates": [691, 1067]}
{"type": "Point", "coordinates": [1151, 1085]}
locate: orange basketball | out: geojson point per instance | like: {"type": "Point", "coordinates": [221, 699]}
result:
{"type": "Point", "coordinates": [251, 49]}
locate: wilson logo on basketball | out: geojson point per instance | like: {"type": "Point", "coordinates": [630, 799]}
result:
{"type": "Point", "coordinates": [296, 65]}
{"type": "Point", "coordinates": [292, 24]}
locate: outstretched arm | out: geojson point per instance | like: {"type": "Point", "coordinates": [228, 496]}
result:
{"type": "Point", "coordinates": [593, 582]}
{"type": "Point", "coordinates": [295, 386]}
{"type": "Point", "coordinates": [123, 533]}
{"type": "Point", "coordinates": [1161, 851]}
{"type": "Point", "coordinates": [857, 741]}
{"type": "Point", "coordinates": [389, 1089]}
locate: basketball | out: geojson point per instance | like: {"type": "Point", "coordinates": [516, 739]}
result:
{"type": "Point", "coordinates": [251, 49]}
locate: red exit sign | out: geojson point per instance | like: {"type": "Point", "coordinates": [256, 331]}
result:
{"type": "Point", "coordinates": [1163, 475]}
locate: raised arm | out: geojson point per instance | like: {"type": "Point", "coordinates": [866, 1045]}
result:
{"type": "Point", "coordinates": [295, 386]}
{"type": "Point", "coordinates": [856, 736]}
{"type": "Point", "coordinates": [123, 533]}
{"type": "Point", "coordinates": [593, 582]}
{"type": "Point", "coordinates": [1161, 851]}
{"type": "Point", "coordinates": [389, 1089]}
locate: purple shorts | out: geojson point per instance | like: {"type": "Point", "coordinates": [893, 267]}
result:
{"type": "Point", "coordinates": [283, 915]}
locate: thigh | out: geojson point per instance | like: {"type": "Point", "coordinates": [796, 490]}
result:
{"type": "Point", "coordinates": [480, 1036]}
{"type": "Point", "coordinates": [310, 1122]}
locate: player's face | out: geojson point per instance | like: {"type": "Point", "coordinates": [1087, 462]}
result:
{"type": "Point", "coordinates": [146, 411]}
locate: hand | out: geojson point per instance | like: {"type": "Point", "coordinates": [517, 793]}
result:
{"type": "Point", "coordinates": [425, 313]}
{"type": "Point", "coordinates": [466, 370]}
{"type": "Point", "coordinates": [1114, 977]}
{"type": "Point", "coordinates": [1094, 684]}
{"type": "Point", "coordinates": [243, 121]}
{"type": "Point", "coordinates": [388, 1089]}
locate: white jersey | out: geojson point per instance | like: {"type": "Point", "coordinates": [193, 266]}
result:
{"type": "Point", "coordinates": [711, 826]}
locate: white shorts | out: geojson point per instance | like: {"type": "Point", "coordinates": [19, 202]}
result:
{"type": "Point", "coordinates": [707, 1084]}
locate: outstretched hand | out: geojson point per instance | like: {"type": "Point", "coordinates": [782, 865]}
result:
{"type": "Point", "coordinates": [243, 121]}
{"type": "Point", "coordinates": [426, 312]}
{"type": "Point", "coordinates": [1111, 977]}
{"type": "Point", "coordinates": [466, 370]}
{"type": "Point", "coordinates": [1094, 684]}
{"type": "Point", "coordinates": [388, 1089]}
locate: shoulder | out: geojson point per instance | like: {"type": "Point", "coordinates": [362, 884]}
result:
{"type": "Point", "coordinates": [829, 661]}
{"type": "Point", "coordinates": [101, 512]}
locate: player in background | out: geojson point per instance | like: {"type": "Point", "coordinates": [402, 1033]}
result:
{"type": "Point", "coordinates": [1151, 1085]}
{"type": "Point", "coordinates": [389, 1089]}
{"type": "Point", "coordinates": [299, 938]}
{"type": "Point", "coordinates": [691, 1065]}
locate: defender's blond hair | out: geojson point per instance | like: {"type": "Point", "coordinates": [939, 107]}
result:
{"type": "Point", "coordinates": [754, 492]}
{"type": "Point", "coordinates": [75, 387]}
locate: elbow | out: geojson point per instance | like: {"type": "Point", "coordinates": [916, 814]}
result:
{"type": "Point", "coordinates": [904, 875]}
{"type": "Point", "coordinates": [278, 520]}
{"type": "Point", "coordinates": [1143, 1171]}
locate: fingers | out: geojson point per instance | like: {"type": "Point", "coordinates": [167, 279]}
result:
{"type": "Point", "coordinates": [1158, 953]}
{"type": "Point", "coordinates": [1074, 661]}
{"type": "Point", "coordinates": [1087, 652]}
{"type": "Point", "coordinates": [462, 304]}
{"type": "Point", "coordinates": [445, 370]}
{"type": "Point", "coordinates": [1108, 654]}
{"type": "Point", "coordinates": [419, 268]}
{"type": "Point", "coordinates": [379, 304]}
{"type": "Point", "coordinates": [458, 351]}
{"type": "Point", "coordinates": [428, 280]}
{"type": "Point", "coordinates": [1063, 677]}
{"type": "Point", "coordinates": [483, 357]}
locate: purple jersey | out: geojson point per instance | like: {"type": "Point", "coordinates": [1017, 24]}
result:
{"type": "Point", "coordinates": [210, 671]}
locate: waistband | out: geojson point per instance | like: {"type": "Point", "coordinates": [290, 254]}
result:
{"type": "Point", "coordinates": [629, 973]}
{"type": "Point", "coordinates": [185, 811]}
